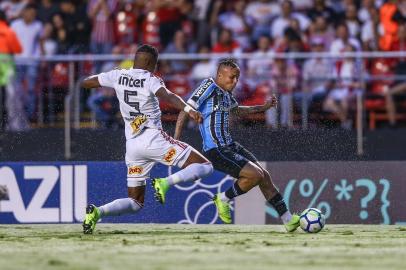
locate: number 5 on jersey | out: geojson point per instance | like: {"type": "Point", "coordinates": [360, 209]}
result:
{"type": "Point", "coordinates": [129, 97]}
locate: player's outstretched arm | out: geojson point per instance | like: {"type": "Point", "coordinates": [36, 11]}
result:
{"type": "Point", "coordinates": [244, 110]}
{"type": "Point", "coordinates": [182, 117]}
{"type": "Point", "coordinates": [172, 98]}
{"type": "Point", "coordinates": [91, 82]}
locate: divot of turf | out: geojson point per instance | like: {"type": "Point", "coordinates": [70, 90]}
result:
{"type": "Point", "coordinates": [55, 262]}
{"type": "Point", "coordinates": [347, 233]}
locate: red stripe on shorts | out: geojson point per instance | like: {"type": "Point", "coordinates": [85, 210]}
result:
{"type": "Point", "coordinates": [172, 140]}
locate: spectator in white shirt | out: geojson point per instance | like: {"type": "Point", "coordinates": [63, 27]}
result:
{"type": "Point", "coordinates": [260, 65]}
{"type": "Point", "coordinates": [366, 5]}
{"type": "Point", "coordinates": [13, 8]}
{"type": "Point", "coordinates": [317, 72]}
{"type": "Point", "coordinates": [259, 14]}
{"type": "Point", "coordinates": [353, 23]}
{"type": "Point", "coordinates": [234, 20]}
{"type": "Point", "coordinates": [371, 30]}
{"type": "Point", "coordinates": [204, 69]}
{"type": "Point", "coordinates": [342, 39]}
{"type": "Point", "coordinates": [348, 81]}
{"type": "Point", "coordinates": [29, 32]}
{"type": "Point", "coordinates": [282, 22]}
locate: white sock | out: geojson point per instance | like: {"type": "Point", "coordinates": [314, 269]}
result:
{"type": "Point", "coordinates": [191, 173]}
{"type": "Point", "coordinates": [119, 207]}
{"type": "Point", "coordinates": [223, 197]}
{"type": "Point", "coordinates": [286, 217]}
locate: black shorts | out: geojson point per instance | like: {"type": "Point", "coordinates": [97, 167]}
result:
{"type": "Point", "coordinates": [230, 159]}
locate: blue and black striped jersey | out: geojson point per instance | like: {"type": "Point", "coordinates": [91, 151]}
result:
{"type": "Point", "coordinates": [214, 104]}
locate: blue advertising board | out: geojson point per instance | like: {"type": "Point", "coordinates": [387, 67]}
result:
{"type": "Point", "coordinates": [58, 192]}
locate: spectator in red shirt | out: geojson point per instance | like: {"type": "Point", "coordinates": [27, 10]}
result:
{"type": "Point", "coordinates": [9, 43]}
{"type": "Point", "coordinates": [400, 70]}
{"type": "Point", "coordinates": [170, 19]}
{"type": "Point", "coordinates": [101, 13]}
{"type": "Point", "coordinates": [226, 44]}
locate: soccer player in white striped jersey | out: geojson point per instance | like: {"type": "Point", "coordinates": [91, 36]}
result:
{"type": "Point", "coordinates": [138, 91]}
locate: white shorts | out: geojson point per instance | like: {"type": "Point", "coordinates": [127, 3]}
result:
{"type": "Point", "coordinates": [150, 147]}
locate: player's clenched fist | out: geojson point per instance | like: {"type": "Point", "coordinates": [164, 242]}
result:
{"type": "Point", "coordinates": [271, 102]}
{"type": "Point", "coordinates": [196, 116]}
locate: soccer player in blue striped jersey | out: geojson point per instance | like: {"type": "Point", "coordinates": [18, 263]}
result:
{"type": "Point", "coordinates": [214, 100]}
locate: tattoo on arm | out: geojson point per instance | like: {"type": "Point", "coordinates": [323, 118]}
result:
{"type": "Point", "coordinates": [244, 110]}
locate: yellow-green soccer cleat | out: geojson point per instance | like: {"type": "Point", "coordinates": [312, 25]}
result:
{"type": "Point", "coordinates": [92, 216]}
{"type": "Point", "coordinates": [294, 222]}
{"type": "Point", "coordinates": [161, 186]}
{"type": "Point", "coordinates": [223, 209]}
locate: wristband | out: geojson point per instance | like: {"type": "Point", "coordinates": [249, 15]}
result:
{"type": "Point", "coordinates": [187, 108]}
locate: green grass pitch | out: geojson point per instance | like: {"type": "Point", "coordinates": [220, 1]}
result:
{"type": "Point", "coordinates": [189, 247]}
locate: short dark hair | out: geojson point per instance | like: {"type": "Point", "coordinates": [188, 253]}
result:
{"type": "Point", "coordinates": [146, 48]}
{"type": "Point", "coordinates": [31, 6]}
{"type": "Point", "coordinates": [227, 62]}
{"type": "Point", "coordinates": [342, 24]}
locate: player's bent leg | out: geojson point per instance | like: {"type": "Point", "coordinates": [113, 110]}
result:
{"type": "Point", "coordinates": [249, 176]}
{"type": "Point", "coordinates": [137, 194]}
{"type": "Point", "coordinates": [194, 157]}
{"type": "Point", "coordinates": [267, 186]}
{"type": "Point", "coordinates": [130, 205]}
{"type": "Point", "coordinates": [274, 198]}
{"type": "Point", "coordinates": [193, 167]}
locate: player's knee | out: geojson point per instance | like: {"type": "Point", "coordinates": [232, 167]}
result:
{"type": "Point", "coordinates": [260, 176]}
{"type": "Point", "coordinates": [136, 205]}
{"type": "Point", "coordinates": [202, 169]}
{"type": "Point", "coordinates": [257, 177]}
{"type": "Point", "coordinates": [208, 168]}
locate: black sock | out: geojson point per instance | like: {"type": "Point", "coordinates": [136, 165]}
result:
{"type": "Point", "coordinates": [234, 191]}
{"type": "Point", "coordinates": [279, 204]}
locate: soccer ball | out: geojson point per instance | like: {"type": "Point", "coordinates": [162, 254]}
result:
{"type": "Point", "coordinates": [312, 220]}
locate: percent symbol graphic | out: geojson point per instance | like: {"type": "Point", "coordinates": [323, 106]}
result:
{"type": "Point", "coordinates": [307, 189]}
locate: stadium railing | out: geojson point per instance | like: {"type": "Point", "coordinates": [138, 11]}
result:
{"type": "Point", "coordinates": [76, 67]}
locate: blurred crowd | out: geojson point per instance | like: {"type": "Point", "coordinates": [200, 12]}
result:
{"type": "Point", "coordinates": [321, 86]}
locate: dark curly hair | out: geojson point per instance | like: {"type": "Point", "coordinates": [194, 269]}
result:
{"type": "Point", "coordinates": [146, 48]}
{"type": "Point", "coordinates": [228, 62]}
